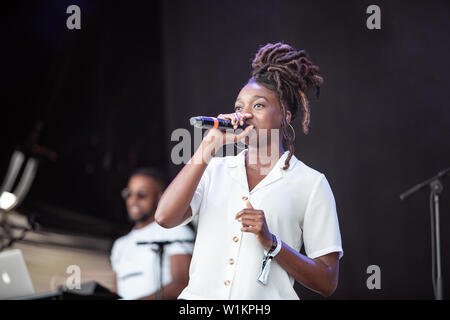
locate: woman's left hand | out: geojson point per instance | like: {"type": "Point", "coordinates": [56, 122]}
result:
{"type": "Point", "coordinates": [254, 221]}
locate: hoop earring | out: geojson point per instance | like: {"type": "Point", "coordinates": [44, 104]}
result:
{"type": "Point", "coordinates": [293, 131]}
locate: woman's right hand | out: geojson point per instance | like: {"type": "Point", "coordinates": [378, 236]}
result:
{"type": "Point", "coordinates": [219, 138]}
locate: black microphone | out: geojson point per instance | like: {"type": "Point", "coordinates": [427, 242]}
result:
{"type": "Point", "coordinates": [212, 122]}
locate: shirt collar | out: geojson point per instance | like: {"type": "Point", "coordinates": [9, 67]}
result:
{"type": "Point", "coordinates": [239, 160]}
{"type": "Point", "coordinates": [237, 170]}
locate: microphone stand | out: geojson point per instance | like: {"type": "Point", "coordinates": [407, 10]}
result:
{"type": "Point", "coordinates": [160, 251]}
{"type": "Point", "coordinates": [436, 188]}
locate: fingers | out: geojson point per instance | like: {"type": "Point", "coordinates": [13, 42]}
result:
{"type": "Point", "coordinates": [249, 217]}
{"type": "Point", "coordinates": [244, 133]}
{"type": "Point", "coordinates": [243, 117]}
{"type": "Point", "coordinates": [237, 119]}
{"type": "Point", "coordinates": [253, 225]}
{"type": "Point", "coordinates": [254, 221]}
{"type": "Point", "coordinates": [250, 214]}
{"type": "Point", "coordinates": [232, 117]}
{"type": "Point", "coordinates": [251, 220]}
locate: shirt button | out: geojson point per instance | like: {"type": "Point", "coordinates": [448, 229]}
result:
{"type": "Point", "coordinates": [244, 198]}
{"type": "Point", "coordinates": [235, 239]}
{"type": "Point", "coordinates": [231, 261]}
{"type": "Point", "coordinates": [227, 282]}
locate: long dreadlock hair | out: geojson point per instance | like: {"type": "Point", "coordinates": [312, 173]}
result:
{"type": "Point", "coordinates": [290, 74]}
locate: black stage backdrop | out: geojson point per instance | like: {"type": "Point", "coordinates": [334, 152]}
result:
{"type": "Point", "coordinates": [109, 96]}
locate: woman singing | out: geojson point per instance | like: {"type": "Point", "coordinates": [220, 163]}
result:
{"type": "Point", "coordinates": [256, 210]}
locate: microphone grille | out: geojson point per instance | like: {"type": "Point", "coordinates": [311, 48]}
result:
{"type": "Point", "coordinates": [193, 121]}
{"type": "Point", "coordinates": [196, 121]}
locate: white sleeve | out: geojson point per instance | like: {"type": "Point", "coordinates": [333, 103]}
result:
{"type": "Point", "coordinates": [114, 258]}
{"type": "Point", "coordinates": [321, 234]}
{"type": "Point", "coordinates": [182, 233]}
{"type": "Point", "coordinates": [198, 196]}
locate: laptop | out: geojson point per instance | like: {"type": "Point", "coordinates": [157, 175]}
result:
{"type": "Point", "coordinates": [15, 280]}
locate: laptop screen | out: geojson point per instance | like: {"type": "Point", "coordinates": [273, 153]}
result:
{"type": "Point", "coordinates": [15, 280]}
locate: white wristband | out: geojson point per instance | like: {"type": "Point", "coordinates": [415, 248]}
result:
{"type": "Point", "coordinates": [277, 249]}
{"type": "Point", "coordinates": [265, 268]}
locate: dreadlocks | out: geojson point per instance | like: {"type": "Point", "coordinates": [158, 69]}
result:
{"type": "Point", "coordinates": [290, 74]}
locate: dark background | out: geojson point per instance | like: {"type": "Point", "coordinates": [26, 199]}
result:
{"type": "Point", "coordinates": [106, 99]}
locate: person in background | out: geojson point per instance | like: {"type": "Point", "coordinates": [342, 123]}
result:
{"type": "Point", "coordinates": [137, 267]}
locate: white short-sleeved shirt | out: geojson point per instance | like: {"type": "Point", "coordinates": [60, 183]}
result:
{"type": "Point", "coordinates": [299, 208]}
{"type": "Point", "coordinates": [137, 266]}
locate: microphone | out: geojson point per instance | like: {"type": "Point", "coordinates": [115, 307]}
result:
{"type": "Point", "coordinates": [213, 123]}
